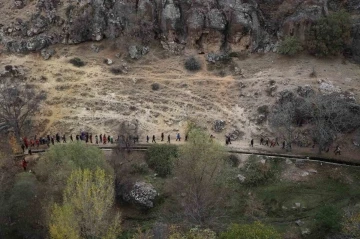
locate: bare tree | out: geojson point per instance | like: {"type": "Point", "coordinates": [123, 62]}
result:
{"type": "Point", "coordinates": [327, 115]}
{"type": "Point", "coordinates": [282, 117]}
{"type": "Point", "coordinates": [18, 103]}
{"type": "Point", "coordinates": [197, 185]}
{"type": "Point", "coordinates": [330, 115]}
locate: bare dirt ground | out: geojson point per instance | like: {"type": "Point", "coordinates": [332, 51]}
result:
{"type": "Point", "coordinates": [93, 99]}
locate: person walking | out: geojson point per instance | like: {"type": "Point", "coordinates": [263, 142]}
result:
{"type": "Point", "coordinates": [37, 142]}
{"type": "Point", "coordinates": [267, 142]}
{"type": "Point", "coordinates": [64, 138]}
{"type": "Point", "coordinates": [168, 139]}
{"type": "Point", "coordinates": [229, 139]}
{"type": "Point", "coordinates": [147, 138]}
{"type": "Point", "coordinates": [71, 138]}
{"type": "Point", "coordinates": [109, 138]}
{"type": "Point", "coordinates": [252, 143]}
{"type": "Point", "coordinates": [162, 136]}
{"type": "Point", "coordinates": [283, 144]}
{"type": "Point", "coordinates": [337, 150]}
{"type": "Point", "coordinates": [96, 139]}
{"type": "Point", "coordinates": [24, 164]}
{"type": "Point", "coordinates": [52, 140]}
{"type": "Point", "coordinates": [104, 139]}
{"type": "Point", "coordinates": [23, 148]}
{"type": "Point", "coordinates": [261, 141]}
{"type": "Point", "coordinates": [90, 138]}
{"type": "Point", "coordinates": [186, 137]}
{"type": "Point", "coordinates": [178, 138]}
{"type": "Point", "coordinates": [153, 139]}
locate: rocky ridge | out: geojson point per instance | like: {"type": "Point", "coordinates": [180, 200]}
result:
{"type": "Point", "coordinates": [206, 25]}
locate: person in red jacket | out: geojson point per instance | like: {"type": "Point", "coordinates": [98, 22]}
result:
{"type": "Point", "coordinates": [26, 143]}
{"type": "Point", "coordinates": [24, 164]}
{"type": "Point", "coordinates": [104, 139]}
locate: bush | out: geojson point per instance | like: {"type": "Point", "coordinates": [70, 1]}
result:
{"type": "Point", "coordinates": [139, 168]}
{"type": "Point", "coordinates": [116, 70]}
{"type": "Point", "coordinates": [57, 164]}
{"type": "Point", "coordinates": [155, 86]}
{"type": "Point", "coordinates": [256, 230]}
{"type": "Point", "coordinates": [77, 62]}
{"type": "Point", "coordinates": [328, 220]}
{"type": "Point", "coordinates": [160, 158]}
{"type": "Point", "coordinates": [290, 46]}
{"type": "Point", "coordinates": [330, 34]}
{"type": "Point", "coordinates": [258, 173]}
{"type": "Point", "coordinates": [192, 64]}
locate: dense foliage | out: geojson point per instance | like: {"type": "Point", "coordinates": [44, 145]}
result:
{"type": "Point", "coordinates": [161, 158]}
{"type": "Point", "coordinates": [330, 34]}
{"type": "Point", "coordinates": [192, 64]}
{"type": "Point", "coordinates": [290, 46]}
{"type": "Point", "coordinates": [256, 230]}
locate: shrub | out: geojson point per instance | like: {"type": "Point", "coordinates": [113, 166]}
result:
{"type": "Point", "coordinates": [192, 64]}
{"type": "Point", "coordinates": [256, 230]}
{"type": "Point", "coordinates": [259, 173]}
{"type": "Point", "coordinates": [77, 62]}
{"type": "Point", "coordinates": [160, 158]}
{"type": "Point", "coordinates": [60, 160]}
{"type": "Point", "coordinates": [290, 46]}
{"type": "Point", "coordinates": [116, 70]}
{"type": "Point", "coordinates": [139, 168]}
{"type": "Point", "coordinates": [233, 160]}
{"type": "Point", "coordinates": [328, 220]}
{"type": "Point", "coordinates": [155, 86]}
{"type": "Point", "coordinates": [330, 34]}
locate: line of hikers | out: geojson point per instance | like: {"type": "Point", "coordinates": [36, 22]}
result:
{"type": "Point", "coordinates": [88, 138]}
{"type": "Point", "coordinates": [103, 139]}
{"type": "Point", "coordinates": [178, 138]}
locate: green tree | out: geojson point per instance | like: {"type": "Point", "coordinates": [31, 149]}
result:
{"type": "Point", "coordinates": [330, 34]}
{"type": "Point", "coordinates": [24, 208]}
{"type": "Point", "coordinates": [198, 173]}
{"type": "Point", "coordinates": [57, 164]}
{"type": "Point", "coordinates": [290, 46]}
{"type": "Point", "coordinates": [86, 210]}
{"type": "Point", "coordinates": [256, 230]}
{"type": "Point", "coordinates": [161, 158]}
{"type": "Point", "coordinates": [328, 220]}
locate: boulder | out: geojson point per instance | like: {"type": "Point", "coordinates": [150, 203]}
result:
{"type": "Point", "coordinates": [215, 57]}
{"type": "Point", "coordinates": [136, 52]}
{"type": "Point", "coordinates": [236, 134]}
{"type": "Point", "coordinates": [140, 193]}
{"type": "Point", "coordinates": [219, 125]}
{"type": "Point", "coordinates": [305, 231]}
{"type": "Point", "coordinates": [299, 223]}
{"type": "Point", "coordinates": [241, 178]}
{"type": "Point", "coordinates": [108, 61]}
{"type": "Point", "coordinates": [328, 88]}
{"type": "Point", "coordinates": [47, 53]}
{"type": "Point", "coordinates": [173, 47]}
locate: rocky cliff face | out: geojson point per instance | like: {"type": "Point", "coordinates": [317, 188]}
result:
{"type": "Point", "coordinates": [207, 25]}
